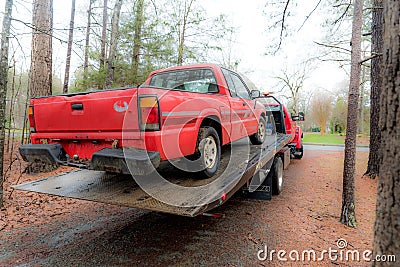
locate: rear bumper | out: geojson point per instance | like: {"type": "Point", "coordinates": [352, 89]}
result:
{"type": "Point", "coordinates": [127, 161]}
{"type": "Point", "coordinates": [48, 153]}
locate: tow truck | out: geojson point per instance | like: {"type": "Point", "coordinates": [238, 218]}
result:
{"type": "Point", "coordinates": [257, 174]}
{"type": "Point", "coordinates": [286, 123]}
{"type": "Point", "coordinates": [147, 147]}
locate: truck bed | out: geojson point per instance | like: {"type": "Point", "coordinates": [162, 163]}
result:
{"type": "Point", "coordinates": [122, 189]}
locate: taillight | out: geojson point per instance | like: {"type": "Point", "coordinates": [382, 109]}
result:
{"type": "Point", "coordinates": [31, 119]}
{"type": "Point", "coordinates": [149, 113]}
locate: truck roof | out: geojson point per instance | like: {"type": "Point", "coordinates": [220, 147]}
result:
{"type": "Point", "coordinates": [189, 66]}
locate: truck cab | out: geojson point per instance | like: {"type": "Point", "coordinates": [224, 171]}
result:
{"type": "Point", "coordinates": [285, 123]}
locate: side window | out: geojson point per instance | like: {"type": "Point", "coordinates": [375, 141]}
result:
{"type": "Point", "coordinates": [241, 89]}
{"type": "Point", "coordinates": [229, 81]}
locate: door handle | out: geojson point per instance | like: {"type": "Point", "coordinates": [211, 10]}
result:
{"type": "Point", "coordinates": [244, 104]}
{"type": "Point", "coordinates": [77, 106]}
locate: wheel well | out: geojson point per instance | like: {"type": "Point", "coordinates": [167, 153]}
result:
{"type": "Point", "coordinates": [214, 122]}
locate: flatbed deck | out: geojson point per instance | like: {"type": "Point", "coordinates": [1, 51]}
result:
{"type": "Point", "coordinates": [124, 191]}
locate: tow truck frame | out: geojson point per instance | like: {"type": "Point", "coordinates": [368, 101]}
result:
{"type": "Point", "coordinates": [118, 189]}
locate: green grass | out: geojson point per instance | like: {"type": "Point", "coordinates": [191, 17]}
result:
{"type": "Point", "coordinates": [331, 139]}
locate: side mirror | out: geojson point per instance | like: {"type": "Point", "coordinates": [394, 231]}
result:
{"type": "Point", "coordinates": [255, 94]}
{"type": "Point", "coordinates": [299, 117]}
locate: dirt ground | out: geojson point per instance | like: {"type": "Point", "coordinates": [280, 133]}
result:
{"type": "Point", "coordinates": [41, 230]}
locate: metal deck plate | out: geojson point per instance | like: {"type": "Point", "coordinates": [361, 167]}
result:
{"type": "Point", "coordinates": [122, 189]}
{"type": "Point", "coordinates": [101, 187]}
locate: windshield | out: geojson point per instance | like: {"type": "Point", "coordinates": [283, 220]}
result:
{"type": "Point", "coordinates": [191, 80]}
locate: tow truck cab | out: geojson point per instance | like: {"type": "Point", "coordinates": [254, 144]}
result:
{"type": "Point", "coordinates": [286, 123]}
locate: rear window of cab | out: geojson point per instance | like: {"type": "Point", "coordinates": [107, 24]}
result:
{"type": "Point", "coordinates": [190, 80]}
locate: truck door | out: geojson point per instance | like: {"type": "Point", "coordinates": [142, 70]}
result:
{"type": "Point", "coordinates": [241, 111]}
{"type": "Point", "coordinates": [290, 126]}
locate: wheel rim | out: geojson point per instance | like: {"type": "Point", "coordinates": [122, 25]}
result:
{"type": "Point", "coordinates": [210, 152]}
{"type": "Point", "coordinates": [261, 130]}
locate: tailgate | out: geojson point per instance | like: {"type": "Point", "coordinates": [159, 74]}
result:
{"type": "Point", "coordinates": [102, 111]}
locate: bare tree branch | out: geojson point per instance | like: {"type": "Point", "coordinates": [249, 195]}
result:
{"type": "Point", "coordinates": [370, 57]}
{"type": "Point", "coordinates": [344, 13]}
{"type": "Point", "coordinates": [282, 25]}
{"type": "Point", "coordinates": [333, 46]}
{"type": "Point", "coordinates": [309, 15]}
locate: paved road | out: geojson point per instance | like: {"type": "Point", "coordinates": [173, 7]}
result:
{"type": "Point", "coordinates": [332, 148]}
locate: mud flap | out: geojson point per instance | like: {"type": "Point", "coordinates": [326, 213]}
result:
{"type": "Point", "coordinates": [286, 152]}
{"type": "Point", "coordinates": [264, 191]}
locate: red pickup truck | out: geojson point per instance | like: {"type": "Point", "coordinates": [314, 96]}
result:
{"type": "Point", "coordinates": [186, 111]}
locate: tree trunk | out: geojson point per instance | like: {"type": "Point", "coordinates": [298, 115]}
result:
{"type": "Point", "coordinates": [69, 49]}
{"type": "Point", "coordinates": [104, 36]}
{"type": "Point", "coordinates": [348, 208]}
{"type": "Point", "coordinates": [387, 232]}
{"type": "Point", "coordinates": [40, 74]}
{"type": "Point", "coordinates": [137, 40]}
{"type": "Point", "coordinates": [181, 47]}
{"type": "Point", "coordinates": [3, 84]}
{"type": "Point", "coordinates": [113, 44]}
{"type": "Point", "coordinates": [87, 39]}
{"type": "Point", "coordinates": [360, 128]}
{"type": "Point", "coordinates": [182, 43]}
{"type": "Point", "coordinates": [11, 109]}
{"type": "Point", "coordinates": [376, 85]}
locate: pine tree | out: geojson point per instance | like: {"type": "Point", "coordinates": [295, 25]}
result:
{"type": "Point", "coordinates": [348, 216]}
{"type": "Point", "coordinates": [69, 49]}
{"type": "Point", "coordinates": [3, 84]}
{"type": "Point", "coordinates": [387, 234]}
{"type": "Point", "coordinates": [40, 74]}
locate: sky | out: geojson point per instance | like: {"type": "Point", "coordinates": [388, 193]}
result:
{"type": "Point", "coordinates": [252, 40]}
{"type": "Point", "coordinates": [250, 45]}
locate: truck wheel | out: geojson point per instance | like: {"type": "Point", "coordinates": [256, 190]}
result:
{"type": "Point", "coordinates": [209, 150]}
{"type": "Point", "coordinates": [277, 176]}
{"type": "Point", "coordinates": [259, 137]}
{"type": "Point", "coordinates": [298, 154]}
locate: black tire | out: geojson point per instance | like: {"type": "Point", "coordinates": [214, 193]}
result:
{"type": "Point", "coordinates": [259, 137]}
{"type": "Point", "coordinates": [208, 148]}
{"type": "Point", "coordinates": [277, 176]}
{"type": "Point", "coordinates": [299, 152]}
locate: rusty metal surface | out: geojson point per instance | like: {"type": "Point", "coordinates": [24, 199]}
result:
{"type": "Point", "coordinates": [122, 190]}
